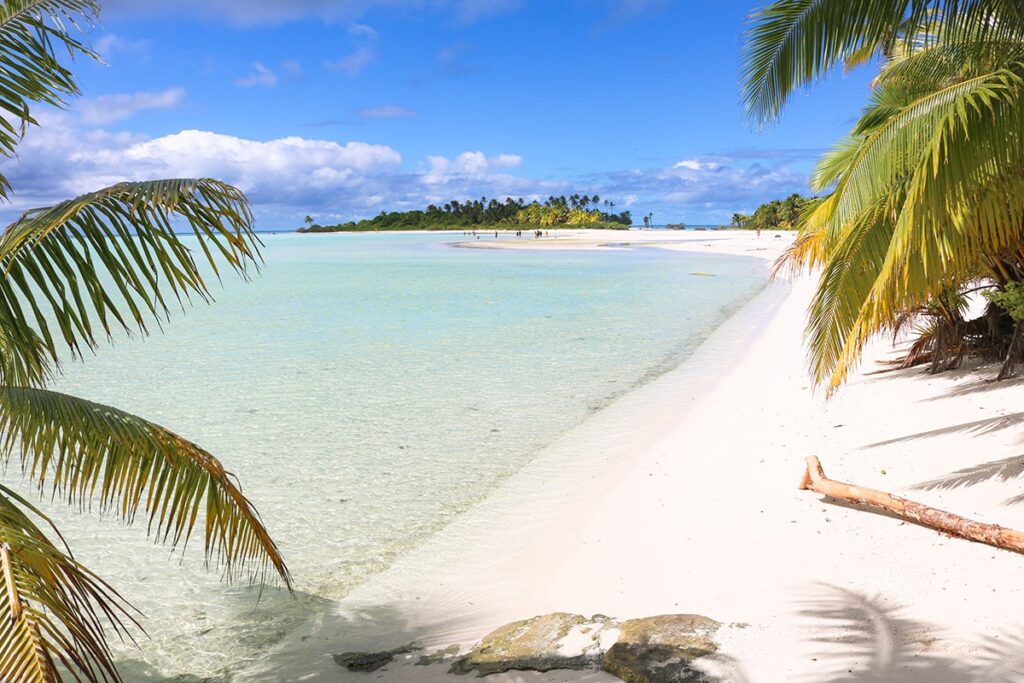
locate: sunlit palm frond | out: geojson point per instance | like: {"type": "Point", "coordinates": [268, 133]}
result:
{"type": "Point", "coordinates": [110, 259]}
{"type": "Point", "coordinates": [790, 44]}
{"type": "Point", "coordinates": [33, 33]}
{"type": "Point", "coordinates": [899, 145]}
{"type": "Point", "coordinates": [960, 203]}
{"type": "Point", "coordinates": [809, 249]}
{"type": "Point", "coordinates": [53, 611]}
{"type": "Point", "coordinates": [849, 273]}
{"type": "Point", "coordinates": [84, 450]}
{"type": "Point", "coordinates": [944, 165]}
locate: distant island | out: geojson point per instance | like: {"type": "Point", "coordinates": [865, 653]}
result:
{"type": "Point", "coordinates": [575, 211]}
{"type": "Point", "coordinates": [779, 214]}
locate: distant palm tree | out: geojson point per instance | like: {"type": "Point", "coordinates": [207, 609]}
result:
{"type": "Point", "coordinates": [308, 219]}
{"type": "Point", "coordinates": [71, 275]}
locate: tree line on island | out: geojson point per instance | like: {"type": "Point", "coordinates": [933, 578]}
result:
{"type": "Point", "coordinates": [778, 214]}
{"type": "Point", "coordinates": [573, 211]}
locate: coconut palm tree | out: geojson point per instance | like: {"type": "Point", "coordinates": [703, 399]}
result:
{"type": "Point", "coordinates": [72, 275]}
{"type": "Point", "coordinates": [924, 196]}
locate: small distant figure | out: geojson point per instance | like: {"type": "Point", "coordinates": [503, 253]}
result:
{"type": "Point", "coordinates": [759, 233]}
{"type": "Point", "coordinates": [495, 233]}
{"type": "Point", "coordinates": [545, 233]}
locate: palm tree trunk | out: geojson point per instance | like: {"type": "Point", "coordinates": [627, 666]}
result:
{"type": "Point", "coordinates": [1012, 353]}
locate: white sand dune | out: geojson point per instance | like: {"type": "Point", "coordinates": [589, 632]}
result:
{"type": "Point", "coordinates": [693, 506]}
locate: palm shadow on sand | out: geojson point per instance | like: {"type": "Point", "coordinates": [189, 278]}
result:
{"type": "Point", "coordinates": [866, 640]}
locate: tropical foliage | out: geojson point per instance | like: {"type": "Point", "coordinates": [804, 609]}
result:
{"type": "Point", "coordinates": [574, 210]}
{"type": "Point", "coordinates": [71, 276]}
{"type": "Point", "coordinates": [921, 201]}
{"type": "Point", "coordinates": [778, 214]}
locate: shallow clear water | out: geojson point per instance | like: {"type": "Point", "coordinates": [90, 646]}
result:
{"type": "Point", "coordinates": [368, 388]}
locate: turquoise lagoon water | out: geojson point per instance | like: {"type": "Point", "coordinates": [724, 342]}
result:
{"type": "Point", "coordinates": [366, 389]}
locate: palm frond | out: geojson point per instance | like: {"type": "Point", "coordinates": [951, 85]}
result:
{"type": "Point", "coordinates": [846, 281]}
{"type": "Point", "coordinates": [791, 44]}
{"type": "Point", "coordinates": [87, 451]}
{"type": "Point", "coordinates": [960, 202]}
{"type": "Point", "coordinates": [53, 610]}
{"type": "Point", "coordinates": [111, 259]}
{"type": "Point", "coordinates": [32, 35]}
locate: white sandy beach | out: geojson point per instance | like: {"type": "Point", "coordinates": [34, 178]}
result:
{"type": "Point", "coordinates": [694, 509]}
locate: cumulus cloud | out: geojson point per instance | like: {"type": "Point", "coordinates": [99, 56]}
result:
{"type": "Point", "coordinates": [112, 108]}
{"type": "Point", "coordinates": [468, 165]}
{"type": "Point", "coordinates": [260, 75]}
{"type": "Point", "coordinates": [711, 187]}
{"type": "Point", "coordinates": [288, 177]}
{"type": "Point", "coordinates": [354, 62]}
{"type": "Point", "coordinates": [60, 160]}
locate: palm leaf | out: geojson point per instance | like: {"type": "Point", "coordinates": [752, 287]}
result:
{"type": "Point", "coordinates": [87, 451]}
{"type": "Point", "coordinates": [79, 270]}
{"type": "Point", "coordinates": [791, 44]}
{"type": "Point", "coordinates": [32, 35]}
{"type": "Point", "coordinates": [53, 610]}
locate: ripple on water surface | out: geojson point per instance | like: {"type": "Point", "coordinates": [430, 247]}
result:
{"type": "Point", "coordinates": [368, 388]}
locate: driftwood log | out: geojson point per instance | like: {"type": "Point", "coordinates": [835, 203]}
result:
{"type": "Point", "coordinates": [992, 534]}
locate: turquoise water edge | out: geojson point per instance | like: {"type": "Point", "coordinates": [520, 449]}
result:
{"type": "Point", "coordinates": [367, 389]}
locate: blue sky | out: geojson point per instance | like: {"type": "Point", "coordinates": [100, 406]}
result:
{"type": "Point", "coordinates": [342, 108]}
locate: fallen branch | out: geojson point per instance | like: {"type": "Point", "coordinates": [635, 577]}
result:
{"type": "Point", "coordinates": [814, 479]}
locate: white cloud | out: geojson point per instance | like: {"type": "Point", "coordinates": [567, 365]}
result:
{"type": "Point", "coordinates": [362, 31]}
{"type": "Point", "coordinates": [118, 107]}
{"type": "Point", "coordinates": [389, 111]}
{"type": "Point", "coordinates": [475, 165]}
{"type": "Point", "coordinates": [288, 177]}
{"type": "Point", "coordinates": [353, 63]}
{"type": "Point", "coordinates": [260, 75]}
{"type": "Point", "coordinates": [61, 160]}
{"type": "Point", "coordinates": [691, 164]}
{"type": "Point", "coordinates": [110, 43]}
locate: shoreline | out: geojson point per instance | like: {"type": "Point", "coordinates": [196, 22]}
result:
{"type": "Point", "coordinates": [698, 512]}
{"type": "Point", "coordinates": [383, 611]}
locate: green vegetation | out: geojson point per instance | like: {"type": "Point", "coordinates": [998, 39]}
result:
{"type": "Point", "coordinates": [575, 211]}
{"type": "Point", "coordinates": [922, 200]}
{"type": "Point", "coordinates": [778, 214]}
{"type": "Point", "coordinates": [72, 275]}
